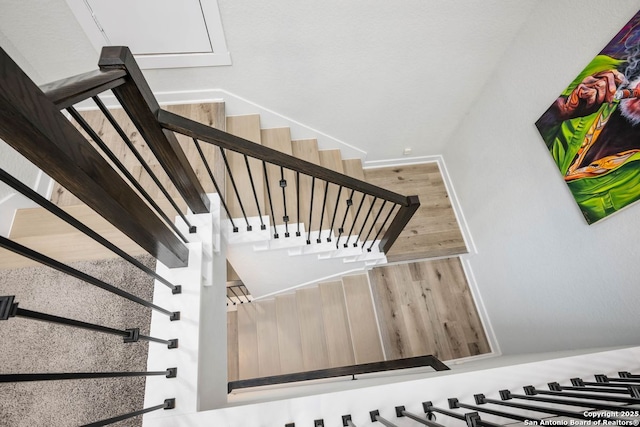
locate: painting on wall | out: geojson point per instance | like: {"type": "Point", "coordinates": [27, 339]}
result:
{"type": "Point", "coordinates": [593, 129]}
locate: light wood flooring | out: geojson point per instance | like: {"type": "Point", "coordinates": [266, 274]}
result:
{"type": "Point", "coordinates": [433, 231]}
{"type": "Point", "coordinates": [427, 308]}
{"type": "Point", "coordinates": [394, 312]}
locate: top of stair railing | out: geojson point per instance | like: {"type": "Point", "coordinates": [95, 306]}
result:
{"type": "Point", "coordinates": [120, 73]}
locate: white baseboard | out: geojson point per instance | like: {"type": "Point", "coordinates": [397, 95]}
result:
{"type": "Point", "coordinates": [480, 307]}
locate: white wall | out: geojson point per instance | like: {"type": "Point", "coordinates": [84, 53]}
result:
{"type": "Point", "coordinates": [378, 75]}
{"type": "Point", "coordinates": [549, 281]}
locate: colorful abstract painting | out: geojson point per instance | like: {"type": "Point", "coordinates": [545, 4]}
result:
{"type": "Point", "coordinates": [593, 129]}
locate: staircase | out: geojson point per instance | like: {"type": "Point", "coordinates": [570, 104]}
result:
{"type": "Point", "coordinates": [329, 325]}
{"type": "Point", "coordinates": [292, 218]}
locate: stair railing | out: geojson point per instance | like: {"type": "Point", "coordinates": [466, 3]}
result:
{"type": "Point", "coordinates": [360, 191]}
{"type": "Point", "coordinates": [31, 122]}
{"type": "Point", "coordinates": [341, 371]}
{"type": "Point", "coordinates": [158, 127]}
{"type": "Point", "coordinates": [582, 409]}
{"type": "Point", "coordinates": [62, 152]}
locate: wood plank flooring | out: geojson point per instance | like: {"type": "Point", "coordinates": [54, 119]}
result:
{"type": "Point", "coordinates": [362, 318]}
{"type": "Point", "coordinates": [426, 308]}
{"type": "Point", "coordinates": [393, 312]}
{"type": "Point", "coordinates": [434, 230]}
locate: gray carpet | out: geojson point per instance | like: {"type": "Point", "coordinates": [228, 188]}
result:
{"type": "Point", "coordinates": [31, 346]}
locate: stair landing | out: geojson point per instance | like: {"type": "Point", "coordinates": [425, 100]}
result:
{"type": "Point", "coordinates": [434, 230]}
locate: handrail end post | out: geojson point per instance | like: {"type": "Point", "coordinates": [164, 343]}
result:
{"type": "Point", "coordinates": [399, 223]}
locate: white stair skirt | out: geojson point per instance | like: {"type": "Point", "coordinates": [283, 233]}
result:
{"type": "Point", "coordinates": [269, 266]}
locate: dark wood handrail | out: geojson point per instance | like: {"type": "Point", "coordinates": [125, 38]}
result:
{"type": "Point", "coordinates": [342, 371]}
{"type": "Point", "coordinates": [67, 92]}
{"type": "Point", "coordinates": [231, 142]}
{"type": "Point", "coordinates": [36, 128]}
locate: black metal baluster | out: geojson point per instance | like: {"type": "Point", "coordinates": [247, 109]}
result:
{"type": "Point", "coordinates": [106, 150]}
{"type": "Point", "coordinates": [532, 394]}
{"type": "Point", "coordinates": [313, 184]}
{"type": "Point", "coordinates": [15, 378]}
{"type": "Point", "coordinates": [381, 227]}
{"type": "Point", "coordinates": [255, 194]}
{"type": "Point", "coordinates": [582, 395]}
{"type": "Point", "coordinates": [236, 295]}
{"type": "Point", "coordinates": [235, 188]}
{"type": "Point", "coordinates": [273, 217]}
{"type": "Point", "coordinates": [600, 378]}
{"type": "Point", "coordinates": [632, 390]}
{"type": "Point", "coordinates": [9, 308]}
{"type": "Point", "coordinates": [168, 404]}
{"type": "Point", "coordinates": [298, 202]}
{"type": "Point", "coordinates": [50, 262]}
{"type": "Point", "coordinates": [230, 300]}
{"type": "Point", "coordinates": [215, 184]}
{"type": "Point", "coordinates": [401, 412]}
{"type": "Point", "coordinates": [335, 211]}
{"type": "Point", "coordinates": [373, 224]}
{"type": "Point", "coordinates": [364, 223]}
{"type": "Point", "coordinates": [324, 204]}
{"type": "Point", "coordinates": [375, 417]}
{"type": "Point", "coordinates": [243, 288]}
{"type": "Point", "coordinates": [46, 204]}
{"type": "Point", "coordinates": [579, 382]}
{"type": "Point", "coordinates": [346, 245]}
{"type": "Point", "coordinates": [625, 374]}
{"type": "Point", "coordinates": [346, 421]}
{"type": "Point", "coordinates": [344, 219]}
{"type": "Point", "coordinates": [505, 395]}
{"type": "Point", "coordinates": [429, 408]}
{"type": "Point", "coordinates": [285, 217]}
{"type": "Point", "coordinates": [141, 160]}
{"type": "Point", "coordinates": [454, 403]}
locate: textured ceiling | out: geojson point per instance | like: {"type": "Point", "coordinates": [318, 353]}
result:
{"type": "Point", "coordinates": [378, 75]}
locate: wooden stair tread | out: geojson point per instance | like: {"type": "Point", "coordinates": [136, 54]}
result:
{"type": "Point", "coordinates": [247, 342]}
{"type": "Point", "coordinates": [68, 247]}
{"type": "Point", "coordinates": [336, 324]}
{"type": "Point", "coordinates": [267, 334]}
{"type": "Point", "coordinates": [247, 127]}
{"type": "Point", "coordinates": [289, 339]}
{"type": "Point", "coordinates": [362, 318]}
{"type": "Point", "coordinates": [280, 139]}
{"type": "Point", "coordinates": [232, 346]}
{"type": "Point", "coordinates": [307, 149]}
{"type": "Point", "coordinates": [314, 346]}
